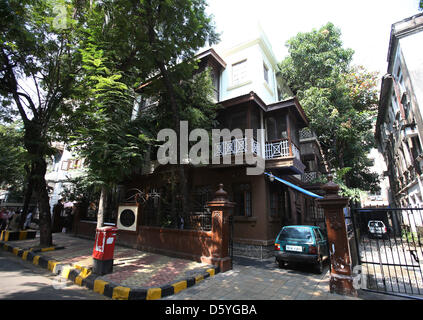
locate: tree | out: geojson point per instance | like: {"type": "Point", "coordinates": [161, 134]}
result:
{"type": "Point", "coordinates": [103, 132]}
{"type": "Point", "coordinates": [338, 98]}
{"type": "Point", "coordinates": [172, 32]}
{"type": "Point", "coordinates": [38, 63]}
{"type": "Point", "coordinates": [421, 5]}
{"type": "Point", "coordinates": [125, 43]}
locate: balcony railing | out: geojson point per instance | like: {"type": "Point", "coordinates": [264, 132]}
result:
{"type": "Point", "coordinates": [272, 150]}
{"type": "Point", "coordinates": [310, 176]}
{"type": "Point", "coordinates": [237, 146]}
{"type": "Point", "coordinates": [280, 149]}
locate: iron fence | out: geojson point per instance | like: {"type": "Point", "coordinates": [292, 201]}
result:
{"type": "Point", "coordinates": [390, 249]}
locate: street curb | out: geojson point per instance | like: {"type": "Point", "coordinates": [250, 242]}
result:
{"type": "Point", "coordinates": [7, 235]}
{"type": "Point", "coordinates": [84, 277]}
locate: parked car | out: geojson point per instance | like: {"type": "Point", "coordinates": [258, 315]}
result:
{"type": "Point", "coordinates": [301, 244]}
{"type": "Point", "coordinates": [377, 229]}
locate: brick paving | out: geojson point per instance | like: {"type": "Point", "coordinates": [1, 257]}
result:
{"type": "Point", "coordinates": [132, 268]}
{"type": "Point", "coordinates": [248, 280]}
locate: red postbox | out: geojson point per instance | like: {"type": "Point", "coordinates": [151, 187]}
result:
{"type": "Point", "coordinates": [104, 246]}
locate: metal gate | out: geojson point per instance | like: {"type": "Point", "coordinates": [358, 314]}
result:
{"type": "Point", "coordinates": [390, 250]}
{"type": "Point", "coordinates": [231, 242]}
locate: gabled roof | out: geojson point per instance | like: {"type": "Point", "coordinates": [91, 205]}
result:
{"type": "Point", "coordinates": [211, 54]}
{"type": "Point", "coordinates": [207, 54]}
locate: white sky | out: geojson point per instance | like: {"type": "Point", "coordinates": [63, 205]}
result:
{"type": "Point", "coordinates": [365, 24]}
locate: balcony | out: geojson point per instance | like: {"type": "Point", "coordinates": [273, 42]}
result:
{"type": "Point", "coordinates": [284, 156]}
{"type": "Point", "coordinates": [236, 147]}
{"type": "Point", "coordinates": [281, 149]}
{"type": "Point", "coordinates": [279, 154]}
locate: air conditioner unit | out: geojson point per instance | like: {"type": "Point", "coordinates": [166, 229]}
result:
{"type": "Point", "coordinates": [127, 217]}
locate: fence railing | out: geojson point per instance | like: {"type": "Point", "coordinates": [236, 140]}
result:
{"type": "Point", "coordinates": [236, 147]}
{"type": "Point", "coordinates": [390, 243]}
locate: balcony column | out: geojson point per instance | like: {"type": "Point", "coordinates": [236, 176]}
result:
{"type": "Point", "coordinates": [263, 137]}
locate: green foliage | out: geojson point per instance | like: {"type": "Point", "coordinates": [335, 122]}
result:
{"type": "Point", "coordinates": [103, 132]}
{"type": "Point", "coordinates": [13, 156]}
{"type": "Point", "coordinates": [340, 101]}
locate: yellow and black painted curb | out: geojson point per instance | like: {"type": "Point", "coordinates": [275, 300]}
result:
{"type": "Point", "coordinates": [7, 235]}
{"type": "Point", "coordinates": [84, 277]}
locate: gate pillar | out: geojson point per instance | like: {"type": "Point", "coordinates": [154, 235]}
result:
{"type": "Point", "coordinates": [341, 280]}
{"type": "Point", "coordinates": [221, 232]}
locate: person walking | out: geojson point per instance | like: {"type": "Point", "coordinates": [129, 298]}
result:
{"type": "Point", "coordinates": [28, 220]}
{"type": "Point", "coordinates": [3, 219]}
{"type": "Point", "coordinates": [15, 221]}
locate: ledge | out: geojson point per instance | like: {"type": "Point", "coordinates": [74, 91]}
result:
{"type": "Point", "coordinates": [239, 85]}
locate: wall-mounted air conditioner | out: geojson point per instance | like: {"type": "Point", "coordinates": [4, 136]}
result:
{"type": "Point", "coordinates": [127, 217]}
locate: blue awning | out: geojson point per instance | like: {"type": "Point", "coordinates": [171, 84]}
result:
{"type": "Point", "coordinates": [289, 184]}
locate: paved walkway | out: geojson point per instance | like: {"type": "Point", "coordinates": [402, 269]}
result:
{"type": "Point", "coordinates": [180, 279]}
{"type": "Point", "coordinates": [130, 268]}
{"type": "Point", "coordinates": [252, 279]}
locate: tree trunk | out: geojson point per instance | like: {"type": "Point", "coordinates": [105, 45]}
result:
{"type": "Point", "coordinates": [40, 186]}
{"type": "Point", "coordinates": [175, 111]}
{"type": "Point", "coordinates": [102, 207]}
{"type": "Point", "coordinates": [28, 196]}
{"type": "Point", "coordinates": [173, 103]}
{"type": "Point", "coordinates": [36, 145]}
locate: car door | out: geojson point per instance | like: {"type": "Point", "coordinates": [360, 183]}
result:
{"type": "Point", "coordinates": [322, 242]}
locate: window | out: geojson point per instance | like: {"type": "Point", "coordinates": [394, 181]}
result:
{"type": "Point", "coordinates": [71, 164]}
{"type": "Point", "coordinates": [201, 195]}
{"type": "Point", "coordinates": [215, 82]}
{"type": "Point", "coordinates": [242, 198]}
{"type": "Point", "coordinates": [239, 72]}
{"type": "Point", "coordinates": [266, 72]}
{"type": "Point", "coordinates": [317, 235]}
{"type": "Point", "coordinates": [416, 146]}
{"type": "Point", "coordinates": [273, 204]}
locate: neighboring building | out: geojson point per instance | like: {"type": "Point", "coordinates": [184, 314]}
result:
{"type": "Point", "coordinates": [62, 168]}
{"type": "Point", "coordinates": [399, 127]}
{"type": "Point", "coordinates": [379, 199]}
{"type": "Point", "coordinates": [253, 96]}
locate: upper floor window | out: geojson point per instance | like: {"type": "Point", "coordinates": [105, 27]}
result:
{"type": "Point", "coordinates": [239, 72]}
{"type": "Point", "coordinates": [266, 72]}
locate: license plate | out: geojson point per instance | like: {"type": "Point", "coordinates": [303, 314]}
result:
{"type": "Point", "coordinates": [294, 248]}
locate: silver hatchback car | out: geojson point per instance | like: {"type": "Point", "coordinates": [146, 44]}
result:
{"type": "Point", "coordinates": [377, 229]}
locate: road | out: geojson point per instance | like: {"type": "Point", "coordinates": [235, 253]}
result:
{"type": "Point", "coordinates": [20, 280]}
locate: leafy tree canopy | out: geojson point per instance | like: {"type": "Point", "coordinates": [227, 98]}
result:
{"type": "Point", "coordinates": [338, 98]}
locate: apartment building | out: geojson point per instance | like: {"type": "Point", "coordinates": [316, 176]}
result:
{"type": "Point", "coordinates": [399, 127]}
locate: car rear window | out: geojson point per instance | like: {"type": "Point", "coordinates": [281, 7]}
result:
{"type": "Point", "coordinates": [295, 233]}
{"type": "Point", "coordinates": [376, 224]}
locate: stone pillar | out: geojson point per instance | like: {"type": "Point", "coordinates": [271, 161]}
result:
{"type": "Point", "coordinates": [221, 211]}
{"type": "Point", "coordinates": [341, 280]}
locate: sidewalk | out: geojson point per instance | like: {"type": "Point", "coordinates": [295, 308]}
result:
{"type": "Point", "coordinates": [139, 275]}
{"type": "Point", "coordinates": [136, 274]}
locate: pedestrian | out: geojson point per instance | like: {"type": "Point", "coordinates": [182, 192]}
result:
{"type": "Point", "coordinates": [15, 221]}
{"type": "Point", "coordinates": [3, 219]}
{"type": "Point", "coordinates": [28, 220]}
{"type": "Point", "coordinates": [57, 212]}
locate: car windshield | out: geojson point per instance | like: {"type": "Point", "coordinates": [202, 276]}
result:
{"type": "Point", "coordinates": [376, 224]}
{"type": "Point", "coordinates": [295, 233]}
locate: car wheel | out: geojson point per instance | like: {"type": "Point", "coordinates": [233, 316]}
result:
{"type": "Point", "coordinates": [319, 266]}
{"type": "Point", "coordinates": [281, 264]}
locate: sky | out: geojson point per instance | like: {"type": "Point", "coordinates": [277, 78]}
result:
{"type": "Point", "coordinates": [365, 24]}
